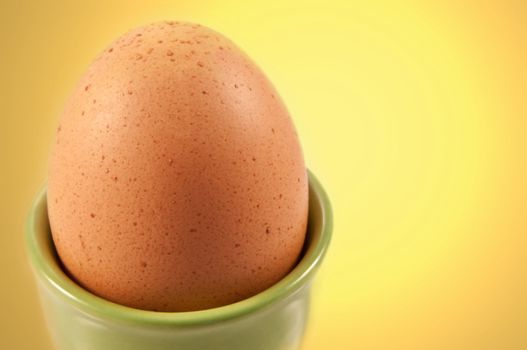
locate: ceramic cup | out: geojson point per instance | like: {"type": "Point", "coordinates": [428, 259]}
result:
{"type": "Point", "coordinates": [274, 319]}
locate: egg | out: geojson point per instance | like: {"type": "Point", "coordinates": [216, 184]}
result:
{"type": "Point", "coordinates": [176, 179]}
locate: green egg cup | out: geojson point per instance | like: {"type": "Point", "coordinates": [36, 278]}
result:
{"type": "Point", "coordinates": [274, 319]}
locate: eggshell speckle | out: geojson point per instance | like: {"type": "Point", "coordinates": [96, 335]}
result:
{"type": "Point", "coordinates": [176, 180]}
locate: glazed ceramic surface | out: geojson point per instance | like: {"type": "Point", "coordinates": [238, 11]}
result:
{"type": "Point", "coordinates": [275, 319]}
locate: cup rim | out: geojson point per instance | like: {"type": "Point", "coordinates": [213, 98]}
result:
{"type": "Point", "coordinates": [45, 265]}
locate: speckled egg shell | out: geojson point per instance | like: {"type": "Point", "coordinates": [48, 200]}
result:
{"type": "Point", "coordinates": [176, 181]}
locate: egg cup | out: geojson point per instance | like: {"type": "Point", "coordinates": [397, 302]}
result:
{"type": "Point", "coordinates": [274, 319]}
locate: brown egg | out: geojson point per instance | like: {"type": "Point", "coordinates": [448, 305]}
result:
{"type": "Point", "coordinates": [177, 180]}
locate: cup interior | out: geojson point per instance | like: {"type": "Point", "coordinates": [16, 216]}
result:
{"type": "Point", "coordinates": [47, 267]}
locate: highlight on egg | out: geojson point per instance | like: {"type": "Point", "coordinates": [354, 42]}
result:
{"type": "Point", "coordinates": [176, 180]}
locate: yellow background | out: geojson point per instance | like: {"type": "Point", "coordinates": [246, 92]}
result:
{"type": "Point", "coordinates": [413, 116]}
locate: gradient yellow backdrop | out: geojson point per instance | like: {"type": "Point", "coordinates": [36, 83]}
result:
{"type": "Point", "coordinates": [414, 117]}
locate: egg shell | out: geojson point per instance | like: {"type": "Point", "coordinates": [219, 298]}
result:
{"type": "Point", "coordinates": [176, 180]}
